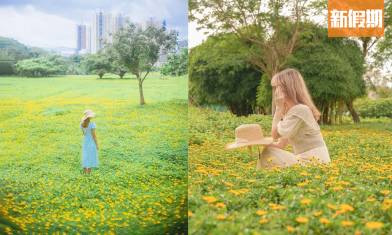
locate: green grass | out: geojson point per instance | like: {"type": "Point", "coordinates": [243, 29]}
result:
{"type": "Point", "coordinates": [140, 185]}
{"type": "Point", "coordinates": [227, 195]}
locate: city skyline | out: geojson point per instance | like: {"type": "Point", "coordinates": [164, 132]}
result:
{"type": "Point", "coordinates": [51, 24]}
{"type": "Point", "coordinates": [91, 37]}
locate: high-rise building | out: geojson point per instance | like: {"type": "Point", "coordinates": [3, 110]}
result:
{"type": "Point", "coordinates": [103, 29]}
{"type": "Point", "coordinates": [91, 39]}
{"type": "Point", "coordinates": [120, 22]}
{"type": "Point", "coordinates": [81, 37]}
{"type": "Point", "coordinates": [97, 32]}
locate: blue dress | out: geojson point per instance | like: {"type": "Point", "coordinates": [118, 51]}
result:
{"type": "Point", "coordinates": [89, 150]}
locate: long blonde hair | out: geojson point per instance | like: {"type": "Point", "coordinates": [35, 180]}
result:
{"type": "Point", "coordinates": [294, 87]}
{"type": "Point", "coordinates": [85, 122]}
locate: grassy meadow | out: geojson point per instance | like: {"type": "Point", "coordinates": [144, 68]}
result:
{"type": "Point", "coordinates": [227, 195]}
{"type": "Point", "coordinates": [140, 185]}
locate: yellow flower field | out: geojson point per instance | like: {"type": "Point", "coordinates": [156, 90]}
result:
{"type": "Point", "coordinates": [350, 196]}
{"type": "Point", "coordinates": [140, 186]}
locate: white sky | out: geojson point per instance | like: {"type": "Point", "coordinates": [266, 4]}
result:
{"type": "Point", "coordinates": [195, 37]}
{"type": "Point", "coordinates": [52, 23]}
{"type": "Point", "coordinates": [36, 28]}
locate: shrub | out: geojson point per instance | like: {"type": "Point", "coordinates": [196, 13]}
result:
{"type": "Point", "coordinates": [375, 108]}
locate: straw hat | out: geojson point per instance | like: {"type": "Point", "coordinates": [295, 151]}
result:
{"type": "Point", "coordinates": [247, 135]}
{"type": "Point", "coordinates": [88, 114]}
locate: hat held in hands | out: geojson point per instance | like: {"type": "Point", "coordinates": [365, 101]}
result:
{"type": "Point", "coordinates": [248, 135]}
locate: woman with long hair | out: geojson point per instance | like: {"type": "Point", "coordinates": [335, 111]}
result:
{"type": "Point", "coordinates": [294, 122]}
{"type": "Point", "coordinates": [90, 142]}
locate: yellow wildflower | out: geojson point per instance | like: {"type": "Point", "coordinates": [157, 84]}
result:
{"type": "Point", "coordinates": [374, 225]}
{"type": "Point", "coordinates": [302, 220]}
{"type": "Point", "coordinates": [209, 199]}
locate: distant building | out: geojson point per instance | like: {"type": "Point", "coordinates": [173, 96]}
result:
{"type": "Point", "coordinates": [104, 27]}
{"type": "Point", "coordinates": [97, 32]}
{"type": "Point", "coordinates": [182, 44]}
{"type": "Point", "coordinates": [91, 39]}
{"type": "Point", "coordinates": [81, 37]}
{"type": "Point", "coordinates": [120, 22]}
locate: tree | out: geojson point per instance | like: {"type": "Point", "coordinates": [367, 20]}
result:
{"type": "Point", "coordinates": [97, 63]}
{"type": "Point", "coordinates": [42, 66]}
{"type": "Point", "coordinates": [114, 58]}
{"type": "Point", "coordinates": [376, 51]}
{"type": "Point", "coordinates": [11, 51]}
{"type": "Point", "coordinates": [332, 69]}
{"type": "Point", "coordinates": [177, 64]}
{"type": "Point", "coordinates": [266, 25]}
{"type": "Point", "coordinates": [138, 49]}
{"type": "Point", "coordinates": [220, 74]}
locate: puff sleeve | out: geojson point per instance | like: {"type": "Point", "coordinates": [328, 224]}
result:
{"type": "Point", "coordinates": [289, 126]}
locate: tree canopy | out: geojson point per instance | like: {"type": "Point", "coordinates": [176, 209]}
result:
{"type": "Point", "coordinates": [97, 63]}
{"type": "Point", "coordinates": [219, 73]}
{"type": "Point", "coordinates": [138, 49]}
{"type": "Point", "coordinates": [42, 66]}
{"type": "Point", "coordinates": [177, 64]}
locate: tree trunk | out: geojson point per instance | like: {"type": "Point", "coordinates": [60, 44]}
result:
{"type": "Point", "coordinates": [332, 113]}
{"type": "Point", "coordinates": [341, 110]}
{"type": "Point", "coordinates": [325, 114]}
{"type": "Point", "coordinates": [141, 91]}
{"type": "Point", "coordinates": [353, 113]}
{"type": "Point", "coordinates": [121, 74]}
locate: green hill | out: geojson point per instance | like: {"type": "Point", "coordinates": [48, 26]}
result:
{"type": "Point", "coordinates": [12, 51]}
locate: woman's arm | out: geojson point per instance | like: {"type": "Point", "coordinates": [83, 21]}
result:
{"type": "Point", "coordinates": [95, 137]}
{"type": "Point", "coordinates": [279, 111]}
{"type": "Point", "coordinates": [277, 117]}
{"type": "Point", "coordinates": [283, 142]}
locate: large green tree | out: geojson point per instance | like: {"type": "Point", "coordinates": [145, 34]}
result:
{"type": "Point", "coordinates": [332, 69]}
{"type": "Point", "coordinates": [177, 64]}
{"type": "Point", "coordinates": [138, 49]}
{"type": "Point", "coordinates": [98, 63]}
{"type": "Point", "coordinates": [272, 27]}
{"type": "Point", "coordinates": [42, 66]}
{"type": "Point", "coordinates": [376, 51]}
{"type": "Point", "coordinates": [220, 74]}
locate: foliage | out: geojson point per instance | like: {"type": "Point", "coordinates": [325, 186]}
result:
{"type": "Point", "coordinates": [12, 51]}
{"type": "Point", "coordinates": [74, 66]}
{"type": "Point", "coordinates": [97, 63]}
{"type": "Point", "coordinates": [384, 46]}
{"type": "Point", "coordinates": [384, 92]}
{"type": "Point", "coordinates": [138, 49]}
{"type": "Point", "coordinates": [227, 195]}
{"type": "Point", "coordinates": [6, 225]}
{"type": "Point", "coordinates": [115, 62]}
{"type": "Point", "coordinates": [140, 185]}
{"type": "Point", "coordinates": [375, 108]}
{"type": "Point", "coordinates": [264, 95]}
{"type": "Point", "coordinates": [332, 69]}
{"type": "Point", "coordinates": [41, 66]}
{"type": "Point", "coordinates": [271, 27]}
{"type": "Point", "coordinates": [220, 74]}
{"type": "Point", "coordinates": [177, 64]}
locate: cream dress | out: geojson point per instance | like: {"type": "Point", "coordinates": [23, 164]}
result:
{"type": "Point", "coordinates": [303, 133]}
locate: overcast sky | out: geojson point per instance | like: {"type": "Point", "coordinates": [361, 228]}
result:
{"type": "Point", "coordinates": [52, 23]}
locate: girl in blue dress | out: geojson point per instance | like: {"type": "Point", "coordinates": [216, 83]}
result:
{"type": "Point", "coordinates": [90, 142]}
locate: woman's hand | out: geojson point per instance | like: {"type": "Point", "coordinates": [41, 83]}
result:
{"type": "Point", "coordinates": [279, 111]}
{"type": "Point", "coordinates": [279, 99]}
{"type": "Point", "coordinates": [282, 143]}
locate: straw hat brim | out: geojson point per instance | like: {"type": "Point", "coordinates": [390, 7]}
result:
{"type": "Point", "coordinates": [263, 141]}
{"type": "Point", "coordinates": [91, 115]}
